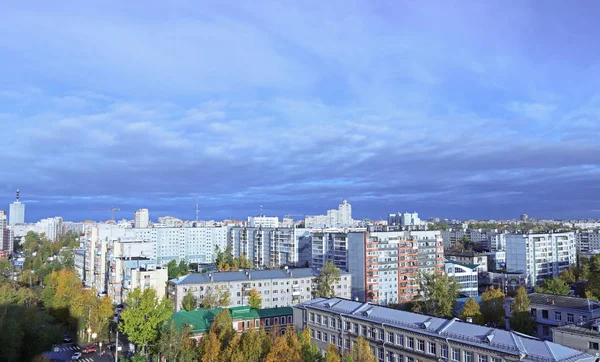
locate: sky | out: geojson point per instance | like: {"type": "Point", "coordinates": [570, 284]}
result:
{"type": "Point", "coordinates": [470, 109]}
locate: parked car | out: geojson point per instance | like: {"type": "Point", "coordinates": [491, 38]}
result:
{"type": "Point", "coordinates": [90, 349]}
{"type": "Point", "coordinates": [76, 356]}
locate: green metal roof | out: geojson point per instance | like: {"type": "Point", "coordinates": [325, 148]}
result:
{"type": "Point", "coordinates": [201, 319]}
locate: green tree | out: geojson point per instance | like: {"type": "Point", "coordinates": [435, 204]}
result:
{"type": "Point", "coordinates": [182, 268]}
{"type": "Point", "coordinates": [171, 341]}
{"type": "Point", "coordinates": [5, 270]}
{"type": "Point", "coordinates": [362, 351]}
{"type": "Point", "coordinates": [252, 346]}
{"type": "Point", "coordinates": [254, 299]}
{"type": "Point", "coordinates": [215, 298]}
{"type": "Point", "coordinates": [211, 348]}
{"type": "Point", "coordinates": [438, 294]}
{"type": "Point", "coordinates": [144, 316]}
{"type": "Point", "coordinates": [222, 326]}
{"type": "Point", "coordinates": [521, 319]}
{"type": "Point", "coordinates": [472, 309]}
{"type": "Point", "coordinates": [189, 302]}
{"type": "Point", "coordinates": [310, 352]}
{"type": "Point", "coordinates": [492, 307]}
{"type": "Point", "coordinates": [172, 269]}
{"type": "Point", "coordinates": [326, 280]}
{"type": "Point", "coordinates": [556, 286]}
{"type": "Point", "coordinates": [569, 276]}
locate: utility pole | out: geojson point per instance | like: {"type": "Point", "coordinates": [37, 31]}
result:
{"type": "Point", "coordinates": [117, 345]}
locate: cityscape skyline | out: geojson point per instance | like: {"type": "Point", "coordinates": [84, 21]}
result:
{"type": "Point", "coordinates": [295, 107]}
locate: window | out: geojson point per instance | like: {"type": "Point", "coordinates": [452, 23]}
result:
{"type": "Point", "coordinates": [381, 335]}
{"type": "Point", "coordinates": [444, 351]}
{"type": "Point", "coordinates": [319, 335]}
{"type": "Point", "coordinates": [364, 330]}
{"type": "Point", "coordinates": [381, 354]}
{"type": "Point", "coordinates": [312, 333]}
{"type": "Point", "coordinates": [570, 318]}
{"type": "Point", "coordinates": [355, 328]}
{"type": "Point", "coordinates": [390, 337]}
{"type": "Point", "coordinates": [276, 320]}
{"type": "Point", "coordinates": [455, 354]}
{"type": "Point", "coordinates": [544, 314]}
{"type": "Point", "coordinates": [347, 344]}
{"type": "Point", "coordinates": [496, 359]}
{"type": "Point", "coordinates": [332, 339]}
{"type": "Point", "coordinates": [483, 358]}
{"type": "Point", "coordinates": [332, 323]}
{"type": "Point", "coordinates": [432, 348]}
{"type": "Point", "coordinates": [546, 330]}
{"type": "Point", "coordinates": [399, 339]}
{"type": "Point", "coordinates": [410, 359]}
{"type": "Point", "coordinates": [593, 345]}
{"type": "Point", "coordinates": [325, 321]}
{"type": "Point", "coordinates": [312, 317]}
{"type": "Point", "coordinates": [420, 345]}
{"type": "Point", "coordinates": [534, 312]}
{"type": "Point", "coordinates": [400, 358]}
{"type": "Point", "coordinates": [290, 320]}
{"type": "Point", "coordinates": [468, 356]}
{"type": "Point", "coordinates": [346, 325]}
{"type": "Point", "coordinates": [410, 342]}
{"type": "Point", "coordinates": [267, 322]}
{"type": "Point", "coordinates": [391, 357]}
{"type": "Point", "coordinates": [324, 337]}
{"type": "Point", "coordinates": [319, 319]}
{"type": "Point", "coordinates": [557, 316]}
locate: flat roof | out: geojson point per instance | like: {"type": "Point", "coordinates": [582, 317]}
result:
{"type": "Point", "coordinates": [237, 276]}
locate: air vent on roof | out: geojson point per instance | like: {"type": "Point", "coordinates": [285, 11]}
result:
{"type": "Point", "coordinates": [368, 312]}
{"type": "Point", "coordinates": [328, 305]}
{"type": "Point", "coordinates": [426, 324]}
{"type": "Point", "coordinates": [490, 338]}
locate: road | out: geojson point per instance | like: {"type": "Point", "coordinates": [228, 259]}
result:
{"type": "Point", "coordinates": [66, 351]}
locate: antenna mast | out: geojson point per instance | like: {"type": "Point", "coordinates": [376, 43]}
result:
{"type": "Point", "coordinates": [196, 207]}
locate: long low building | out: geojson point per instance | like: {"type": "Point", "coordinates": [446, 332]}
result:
{"type": "Point", "coordinates": [401, 336]}
{"type": "Point", "coordinates": [278, 288]}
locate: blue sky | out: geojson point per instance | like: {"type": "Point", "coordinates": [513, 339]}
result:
{"type": "Point", "coordinates": [468, 110]}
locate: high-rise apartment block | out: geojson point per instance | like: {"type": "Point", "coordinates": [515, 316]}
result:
{"type": "Point", "coordinates": [6, 246]}
{"type": "Point", "coordinates": [142, 218]}
{"type": "Point", "coordinates": [340, 218]}
{"type": "Point", "coordinates": [386, 265]}
{"type": "Point", "coordinates": [17, 212]}
{"type": "Point", "coordinates": [263, 221]}
{"type": "Point", "coordinates": [587, 241]}
{"type": "Point", "coordinates": [540, 256]}
{"type": "Point", "coordinates": [405, 219]}
{"type": "Point", "coordinates": [329, 245]}
{"type": "Point", "coordinates": [266, 247]}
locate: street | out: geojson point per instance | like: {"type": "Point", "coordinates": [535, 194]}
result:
{"type": "Point", "coordinates": [65, 352]}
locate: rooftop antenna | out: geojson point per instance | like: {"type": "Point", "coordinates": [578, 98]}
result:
{"type": "Point", "coordinates": [196, 207]}
{"type": "Point", "coordinates": [261, 211]}
{"type": "Point", "coordinates": [17, 195]}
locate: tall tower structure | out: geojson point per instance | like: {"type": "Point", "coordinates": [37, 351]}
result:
{"type": "Point", "coordinates": [141, 218]}
{"type": "Point", "coordinates": [17, 212]}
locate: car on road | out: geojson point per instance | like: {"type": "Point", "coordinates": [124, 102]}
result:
{"type": "Point", "coordinates": [76, 356]}
{"type": "Point", "coordinates": [90, 349]}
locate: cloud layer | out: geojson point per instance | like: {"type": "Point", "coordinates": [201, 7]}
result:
{"type": "Point", "coordinates": [480, 111]}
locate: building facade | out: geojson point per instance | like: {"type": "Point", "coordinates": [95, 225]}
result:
{"type": "Point", "coordinates": [276, 287]}
{"type": "Point", "coordinates": [266, 247]}
{"type": "Point", "coordinates": [466, 275]}
{"type": "Point", "coordinates": [405, 219]}
{"type": "Point", "coordinates": [540, 256]}
{"type": "Point", "coordinates": [582, 336]}
{"type": "Point", "coordinates": [17, 212]}
{"type": "Point", "coordinates": [263, 221]}
{"type": "Point", "coordinates": [329, 245]}
{"type": "Point", "coordinates": [142, 218]}
{"type": "Point", "coordinates": [587, 241]}
{"type": "Point", "coordinates": [468, 257]}
{"type": "Point", "coordinates": [340, 218]}
{"type": "Point", "coordinates": [400, 336]}
{"type": "Point", "coordinates": [385, 266]}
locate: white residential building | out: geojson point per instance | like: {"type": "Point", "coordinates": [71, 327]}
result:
{"type": "Point", "coordinates": [340, 218]}
{"type": "Point", "coordinates": [588, 241]}
{"type": "Point", "coordinates": [52, 227]}
{"type": "Point", "coordinates": [6, 244]}
{"type": "Point", "coordinates": [467, 276]}
{"type": "Point", "coordinates": [263, 221]}
{"type": "Point", "coordinates": [540, 256]}
{"type": "Point", "coordinates": [142, 218]}
{"type": "Point", "coordinates": [405, 219]}
{"type": "Point", "coordinates": [278, 288]}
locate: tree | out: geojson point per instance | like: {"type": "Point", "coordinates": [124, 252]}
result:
{"type": "Point", "coordinates": [145, 316]}
{"type": "Point", "coordinates": [492, 307]}
{"type": "Point", "coordinates": [254, 299]}
{"type": "Point", "coordinates": [328, 277]}
{"type": "Point", "coordinates": [471, 309]}
{"type": "Point", "coordinates": [172, 269]}
{"type": "Point", "coordinates": [556, 286]}
{"type": "Point", "coordinates": [215, 298]}
{"type": "Point", "coordinates": [189, 302]}
{"type": "Point", "coordinates": [362, 352]}
{"type": "Point", "coordinates": [438, 294]}
{"type": "Point", "coordinates": [182, 268]}
{"type": "Point", "coordinates": [171, 341]}
{"type": "Point", "coordinates": [252, 346]}
{"type": "Point", "coordinates": [310, 352]}
{"type": "Point", "coordinates": [285, 348]}
{"type": "Point", "coordinates": [332, 354]}
{"type": "Point", "coordinates": [5, 269]}
{"type": "Point", "coordinates": [211, 348]}
{"type": "Point", "coordinates": [569, 276]}
{"type": "Point", "coordinates": [521, 319]}
{"type": "Point", "coordinates": [222, 326]}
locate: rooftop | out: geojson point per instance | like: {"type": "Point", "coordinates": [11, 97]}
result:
{"type": "Point", "coordinates": [201, 319]}
{"type": "Point", "coordinates": [236, 276]}
{"type": "Point", "coordinates": [525, 348]}
{"type": "Point", "coordinates": [584, 329]}
{"type": "Point", "coordinates": [563, 301]}
{"type": "Point", "coordinates": [462, 252]}
{"type": "Point", "coordinates": [468, 266]}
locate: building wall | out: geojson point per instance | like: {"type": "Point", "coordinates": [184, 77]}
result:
{"type": "Point", "coordinates": [16, 213]}
{"type": "Point", "coordinates": [582, 342]}
{"type": "Point", "coordinates": [329, 245]}
{"type": "Point", "coordinates": [266, 247]}
{"type": "Point", "coordinates": [141, 218]}
{"type": "Point", "coordinates": [467, 277]}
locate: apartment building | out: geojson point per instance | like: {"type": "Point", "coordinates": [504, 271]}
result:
{"type": "Point", "coordinates": [466, 275]}
{"type": "Point", "coordinates": [587, 241]}
{"type": "Point", "coordinates": [385, 266]}
{"type": "Point", "coordinates": [540, 256]}
{"type": "Point", "coordinates": [329, 245]}
{"type": "Point", "coordinates": [551, 311]}
{"type": "Point", "coordinates": [401, 336]}
{"type": "Point", "coordinates": [142, 218]}
{"type": "Point", "coordinates": [263, 221]}
{"type": "Point", "coordinates": [6, 244]}
{"type": "Point", "coordinates": [266, 247]}
{"type": "Point", "coordinates": [277, 287]}
{"type": "Point", "coordinates": [340, 218]}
